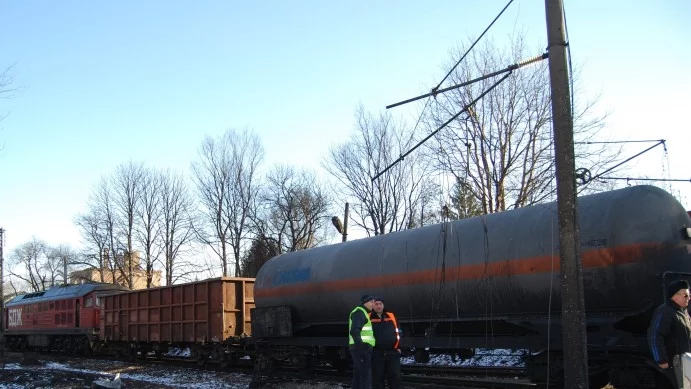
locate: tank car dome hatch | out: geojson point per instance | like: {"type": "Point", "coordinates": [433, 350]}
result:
{"type": "Point", "coordinates": [629, 237]}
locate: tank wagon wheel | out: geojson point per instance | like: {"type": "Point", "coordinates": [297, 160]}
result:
{"type": "Point", "coordinates": [200, 356]}
{"type": "Point", "coordinates": [85, 347]}
{"type": "Point", "coordinates": [421, 355]}
{"type": "Point", "coordinates": [263, 363]}
{"type": "Point", "coordinates": [303, 362]}
{"type": "Point", "coordinates": [340, 364]}
{"type": "Point", "coordinates": [218, 355]}
{"type": "Point", "coordinates": [127, 354]}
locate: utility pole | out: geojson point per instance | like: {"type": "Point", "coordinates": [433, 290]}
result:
{"type": "Point", "coordinates": [64, 268]}
{"type": "Point", "coordinates": [2, 284]}
{"type": "Point", "coordinates": [573, 306]}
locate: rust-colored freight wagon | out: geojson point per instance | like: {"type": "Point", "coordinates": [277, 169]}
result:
{"type": "Point", "coordinates": [197, 315]}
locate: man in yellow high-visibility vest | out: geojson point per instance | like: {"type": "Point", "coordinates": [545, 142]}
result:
{"type": "Point", "coordinates": [361, 342]}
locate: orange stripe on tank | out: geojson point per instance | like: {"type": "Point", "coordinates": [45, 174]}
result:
{"type": "Point", "coordinates": [592, 259]}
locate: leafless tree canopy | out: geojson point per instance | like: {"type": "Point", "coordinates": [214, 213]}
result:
{"type": "Point", "coordinates": [95, 237]}
{"type": "Point", "coordinates": [127, 186]}
{"type": "Point", "coordinates": [226, 178]}
{"type": "Point", "coordinates": [30, 263]}
{"type": "Point", "coordinates": [502, 149]}
{"type": "Point", "coordinates": [393, 201]}
{"type": "Point", "coordinates": [296, 209]}
{"type": "Point", "coordinates": [7, 88]}
{"type": "Point", "coordinates": [62, 257]}
{"type": "Point", "coordinates": [148, 226]}
{"type": "Point", "coordinates": [176, 221]}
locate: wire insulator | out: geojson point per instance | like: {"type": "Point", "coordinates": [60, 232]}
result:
{"type": "Point", "coordinates": [532, 60]}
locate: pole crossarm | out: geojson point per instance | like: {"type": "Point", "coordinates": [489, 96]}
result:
{"type": "Point", "coordinates": [465, 108]}
{"type": "Point", "coordinates": [659, 142]}
{"type": "Point", "coordinates": [647, 179]}
{"type": "Point", "coordinates": [436, 91]}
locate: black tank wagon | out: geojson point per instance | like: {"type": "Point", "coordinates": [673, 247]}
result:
{"type": "Point", "coordinates": [493, 281]}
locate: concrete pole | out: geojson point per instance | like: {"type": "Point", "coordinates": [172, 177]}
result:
{"type": "Point", "coordinates": [573, 307]}
{"type": "Point", "coordinates": [2, 284]}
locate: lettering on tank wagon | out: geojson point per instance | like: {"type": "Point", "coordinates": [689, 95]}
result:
{"type": "Point", "coordinates": [14, 317]}
{"type": "Point", "coordinates": [292, 276]}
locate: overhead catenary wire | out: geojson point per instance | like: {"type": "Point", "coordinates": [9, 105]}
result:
{"type": "Point", "coordinates": [509, 69]}
{"type": "Point", "coordinates": [435, 89]}
{"type": "Point", "coordinates": [465, 108]}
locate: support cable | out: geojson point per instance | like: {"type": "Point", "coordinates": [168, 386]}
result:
{"type": "Point", "coordinates": [509, 69]}
{"type": "Point", "coordinates": [465, 108]}
{"type": "Point", "coordinates": [435, 90]}
{"type": "Point", "coordinates": [584, 175]}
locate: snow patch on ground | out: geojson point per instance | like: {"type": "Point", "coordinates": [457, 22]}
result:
{"type": "Point", "coordinates": [182, 378]}
{"type": "Point", "coordinates": [483, 357]}
{"type": "Point", "coordinates": [178, 352]}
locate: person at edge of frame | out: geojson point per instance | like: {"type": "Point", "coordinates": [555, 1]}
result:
{"type": "Point", "coordinates": [669, 331]}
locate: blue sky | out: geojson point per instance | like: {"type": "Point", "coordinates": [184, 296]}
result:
{"type": "Point", "coordinates": [108, 82]}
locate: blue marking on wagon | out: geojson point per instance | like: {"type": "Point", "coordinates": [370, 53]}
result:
{"type": "Point", "coordinates": [292, 276]}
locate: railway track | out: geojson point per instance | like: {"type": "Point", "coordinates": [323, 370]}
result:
{"type": "Point", "coordinates": [419, 376]}
{"type": "Point", "coordinates": [475, 377]}
{"type": "Point", "coordinates": [422, 376]}
{"type": "Point", "coordinates": [479, 371]}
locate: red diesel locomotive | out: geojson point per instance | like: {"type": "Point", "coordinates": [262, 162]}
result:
{"type": "Point", "coordinates": [64, 318]}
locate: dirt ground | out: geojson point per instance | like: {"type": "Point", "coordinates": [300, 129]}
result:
{"type": "Point", "coordinates": [64, 372]}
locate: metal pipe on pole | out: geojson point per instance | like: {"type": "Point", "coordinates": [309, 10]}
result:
{"type": "Point", "coordinates": [573, 306]}
{"type": "Point", "coordinates": [345, 223]}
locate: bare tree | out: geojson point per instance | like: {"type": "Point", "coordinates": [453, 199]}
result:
{"type": "Point", "coordinates": [226, 178]}
{"type": "Point", "coordinates": [127, 186]}
{"type": "Point", "coordinates": [148, 227]}
{"type": "Point", "coordinates": [502, 149]}
{"type": "Point", "coordinates": [95, 237]}
{"type": "Point", "coordinates": [296, 209]}
{"type": "Point", "coordinates": [7, 90]}
{"type": "Point", "coordinates": [176, 220]}
{"type": "Point", "coordinates": [29, 263]}
{"type": "Point", "coordinates": [61, 258]}
{"type": "Point", "coordinates": [392, 201]}
{"type": "Point", "coordinates": [103, 206]}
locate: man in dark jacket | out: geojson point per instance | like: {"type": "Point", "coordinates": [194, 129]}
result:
{"type": "Point", "coordinates": [386, 358]}
{"type": "Point", "coordinates": [670, 329]}
{"type": "Point", "coordinates": [360, 343]}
